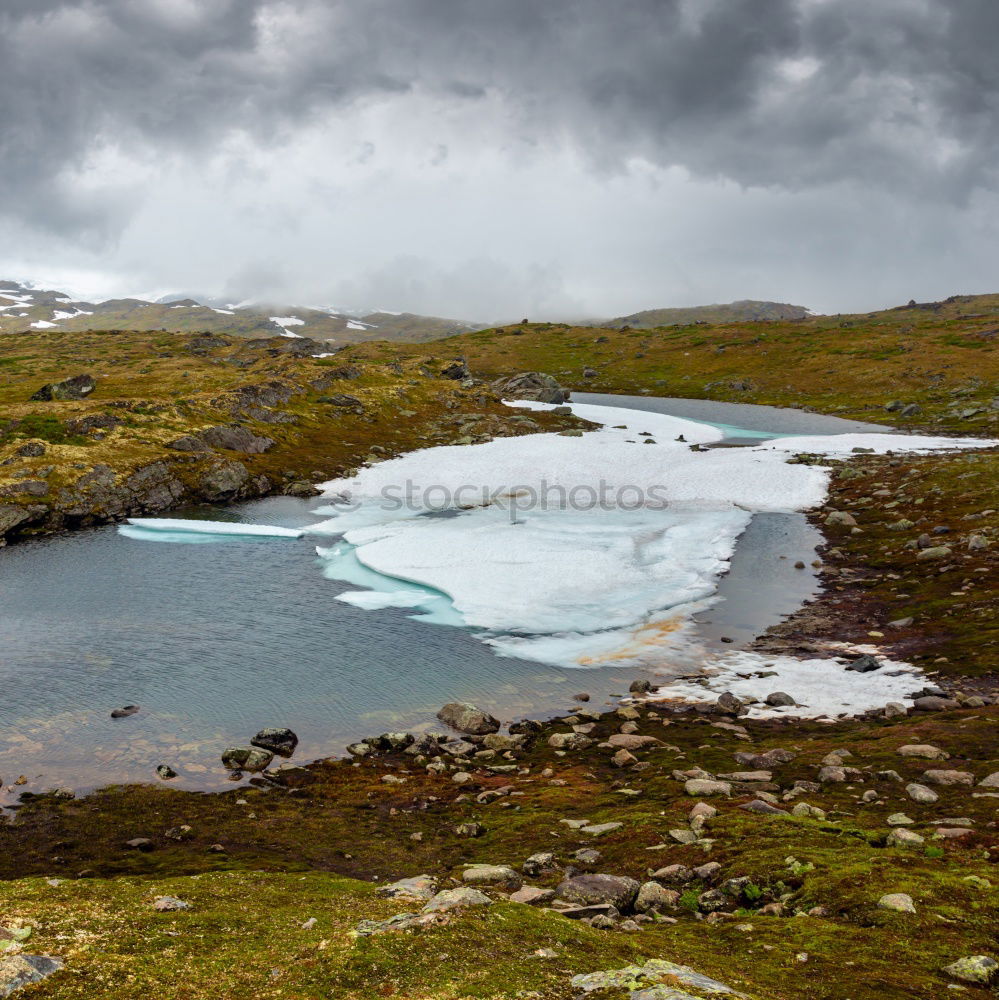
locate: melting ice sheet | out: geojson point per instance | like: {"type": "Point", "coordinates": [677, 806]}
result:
{"type": "Point", "coordinates": [176, 529]}
{"type": "Point", "coordinates": [594, 550]}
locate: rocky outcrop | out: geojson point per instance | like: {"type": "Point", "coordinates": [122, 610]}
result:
{"type": "Point", "coordinates": [531, 385]}
{"type": "Point", "coordinates": [223, 480]}
{"type": "Point", "coordinates": [77, 387]}
{"type": "Point", "coordinates": [236, 438]}
{"type": "Point", "coordinates": [468, 719]}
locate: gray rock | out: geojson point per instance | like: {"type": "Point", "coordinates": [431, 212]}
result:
{"type": "Point", "coordinates": [235, 437]}
{"type": "Point", "coordinates": [920, 793]}
{"type": "Point", "coordinates": [654, 898]}
{"type": "Point", "coordinates": [932, 703]}
{"type": "Point", "coordinates": [840, 519]}
{"type": "Point", "coordinates": [540, 864]}
{"type": "Point", "coordinates": [706, 787]}
{"type": "Point", "coordinates": [863, 664]}
{"type": "Point", "coordinates": [731, 705]}
{"type": "Point", "coordinates": [902, 837]}
{"type": "Point", "coordinates": [924, 750]}
{"type": "Point", "coordinates": [165, 772]}
{"type": "Point", "coordinates": [418, 888]}
{"type": "Point", "coordinates": [467, 718]}
{"type": "Point", "coordinates": [900, 902]}
{"type": "Point", "coordinates": [169, 904]}
{"type": "Point", "coordinates": [500, 875]}
{"type": "Point", "coordinates": [759, 806]}
{"type": "Point", "coordinates": [618, 890]}
{"type": "Point", "coordinates": [780, 698]}
{"type": "Point", "coordinates": [531, 895]}
{"type": "Point", "coordinates": [456, 899]}
{"type": "Point", "coordinates": [934, 554]}
{"type": "Point", "coordinates": [641, 687]}
{"type": "Point", "coordinates": [246, 758]}
{"type": "Point", "coordinates": [569, 741]}
{"type": "Point", "coordinates": [992, 781]}
{"type": "Point", "coordinates": [18, 971]}
{"type": "Point", "coordinates": [531, 385]}
{"type": "Point", "coordinates": [949, 777]}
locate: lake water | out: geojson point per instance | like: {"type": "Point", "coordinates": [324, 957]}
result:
{"type": "Point", "coordinates": [216, 641]}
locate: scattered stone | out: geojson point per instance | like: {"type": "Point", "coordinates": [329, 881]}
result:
{"type": "Point", "coordinates": [949, 777]}
{"type": "Point", "coordinates": [467, 718]}
{"type": "Point", "coordinates": [731, 705]}
{"type": "Point", "coordinates": [632, 741]}
{"type": "Point", "coordinates": [599, 829]}
{"type": "Point", "coordinates": [901, 837]}
{"type": "Point", "coordinates": [168, 904]}
{"type": "Point", "coordinates": [900, 902]}
{"type": "Point", "coordinates": [569, 741]}
{"type": "Point", "coordinates": [759, 806]}
{"type": "Point", "coordinates": [418, 888]}
{"type": "Point", "coordinates": [655, 980]}
{"type": "Point", "coordinates": [778, 699]}
{"type": "Point", "coordinates": [863, 664]}
{"type": "Point", "coordinates": [500, 875]}
{"type": "Point", "coordinates": [540, 864]}
{"type": "Point", "coordinates": [654, 898]}
{"type": "Point", "coordinates": [934, 703]}
{"type": "Point", "coordinates": [587, 856]}
{"type": "Point", "coordinates": [641, 687]}
{"type": "Point", "coordinates": [832, 775]}
{"type": "Point", "coordinates": [278, 741]}
{"type": "Point", "coordinates": [165, 772]}
{"type": "Point", "coordinates": [895, 710]}
{"type": "Point", "coordinates": [532, 896]}
{"type": "Point", "coordinates": [17, 971]}
{"type": "Point", "coordinates": [934, 554]}
{"type": "Point", "coordinates": [124, 712]}
{"type": "Point", "coordinates": [585, 890]}
{"type": "Point", "coordinates": [899, 819]}
{"type": "Point", "coordinates": [992, 781]}
{"type": "Point", "coordinates": [920, 793]}
{"type": "Point", "coordinates": [924, 750]}
{"type": "Point", "coordinates": [453, 899]}
{"type": "Point", "coordinates": [139, 844]}
{"type": "Point", "coordinates": [977, 969]}
{"type": "Point", "coordinates": [623, 758]}
{"type": "Point", "coordinates": [706, 787]}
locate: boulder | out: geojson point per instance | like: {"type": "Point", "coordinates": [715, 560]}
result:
{"type": "Point", "coordinates": [900, 902]}
{"type": "Point", "coordinates": [778, 699]}
{"type": "Point", "coordinates": [901, 837]}
{"type": "Point", "coordinates": [467, 718]}
{"type": "Point", "coordinates": [499, 875]}
{"type": "Point", "coordinates": [654, 898]}
{"type": "Point", "coordinates": [706, 787]}
{"type": "Point", "coordinates": [731, 705]}
{"type": "Point", "coordinates": [934, 703]}
{"type": "Point", "coordinates": [949, 777]}
{"type": "Point", "coordinates": [585, 890]}
{"type": "Point", "coordinates": [977, 969]}
{"type": "Point", "coordinates": [17, 971]}
{"type": "Point", "coordinates": [920, 793]}
{"type": "Point", "coordinates": [540, 864]}
{"type": "Point", "coordinates": [418, 888]}
{"type": "Point", "coordinates": [924, 750]}
{"type": "Point", "coordinates": [456, 899]}
{"type": "Point", "coordinates": [992, 781]}
{"type": "Point", "coordinates": [278, 741]}
{"type": "Point", "coordinates": [840, 519]}
{"type": "Point", "coordinates": [532, 896]}
{"type": "Point", "coordinates": [632, 741]}
{"type": "Point", "coordinates": [531, 385]}
{"type": "Point", "coordinates": [246, 758]}
{"type": "Point", "coordinates": [569, 741]}
{"type": "Point", "coordinates": [234, 437]}
{"type": "Point", "coordinates": [863, 664]}
{"type": "Point", "coordinates": [77, 387]}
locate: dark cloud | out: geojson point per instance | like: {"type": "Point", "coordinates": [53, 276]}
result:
{"type": "Point", "coordinates": [897, 95]}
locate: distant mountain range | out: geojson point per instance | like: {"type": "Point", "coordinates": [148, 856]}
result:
{"type": "Point", "coordinates": [25, 308]}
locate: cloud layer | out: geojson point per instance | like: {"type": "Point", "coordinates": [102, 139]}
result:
{"type": "Point", "coordinates": [504, 157]}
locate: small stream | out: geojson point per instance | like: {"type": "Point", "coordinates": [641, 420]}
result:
{"type": "Point", "coordinates": [216, 641]}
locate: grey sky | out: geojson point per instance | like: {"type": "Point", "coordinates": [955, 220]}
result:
{"type": "Point", "coordinates": [502, 158]}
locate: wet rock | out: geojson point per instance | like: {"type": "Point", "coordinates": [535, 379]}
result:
{"type": "Point", "coordinates": [729, 704]}
{"type": "Point", "coordinates": [900, 902]}
{"type": "Point", "coordinates": [617, 890]}
{"type": "Point", "coordinates": [778, 699]}
{"type": "Point", "coordinates": [77, 387]}
{"type": "Point", "coordinates": [246, 758]}
{"type": "Point", "coordinates": [467, 718]}
{"type": "Point", "coordinates": [569, 741]}
{"type": "Point", "coordinates": [863, 664]}
{"type": "Point", "coordinates": [641, 687]}
{"type": "Point", "coordinates": [165, 772]}
{"type": "Point", "coordinates": [977, 969]}
{"type": "Point", "coordinates": [124, 712]}
{"type": "Point", "coordinates": [278, 741]}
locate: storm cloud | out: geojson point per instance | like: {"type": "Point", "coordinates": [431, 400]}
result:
{"type": "Point", "coordinates": [454, 156]}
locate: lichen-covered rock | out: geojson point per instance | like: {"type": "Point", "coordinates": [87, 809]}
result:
{"type": "Point", "coordinates": [77, 387]}
{"type": "Point", "coordinates": [456, 899]}
{"type": "Point", "coordinates": [17, 971]}
{"type": "Point", "coordinates": [499, 875]}
{"type": "Point", "coordinates": [418, 888]}
{"type": "Point", "coordinates": [978, 969]}
{"type": "Point", "coordinates": [236, 438]}
{"type": "Point", "coordinates": [706, 787]}
{"type": "Point", "coordinates": [920, 793]}
{"type": "Point", "coordinates": [900, 902]}
{"type": "Point", "coordinates": [467, 718]}
{"type": "Point", "coordinates": [656, 972]}
{"type": "Point", "coordinates": [531, 385]}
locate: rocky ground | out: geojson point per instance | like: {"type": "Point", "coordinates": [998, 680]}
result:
{"type": "Point", "coordinates": [781, 858]}
{"type": "Point", "coordinates": [95, 427]}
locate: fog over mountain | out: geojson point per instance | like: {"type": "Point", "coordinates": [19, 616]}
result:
{"type": "Point", "coordinates": [497, 160]}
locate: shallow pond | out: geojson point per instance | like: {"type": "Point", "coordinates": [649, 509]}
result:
{"type": "Point", "coordinates": [216, 641]}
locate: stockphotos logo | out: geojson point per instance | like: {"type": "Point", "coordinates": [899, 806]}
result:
{"type": "Point", "coordinates": [521, 498]}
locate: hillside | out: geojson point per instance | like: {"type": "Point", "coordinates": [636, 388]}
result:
{"type": "Point", "coordinates": [745, 310]}
{"type": "Point", "coordinates": [24, 308]}
{"type": "Point", "coordinates": [932, 365]}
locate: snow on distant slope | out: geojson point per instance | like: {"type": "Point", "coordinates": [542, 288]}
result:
{"type": "Point", "coordinates": [284, 322]}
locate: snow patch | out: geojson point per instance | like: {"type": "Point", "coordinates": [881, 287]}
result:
{"type": "Point", "coordinates": [284, 322]}
{"type": "Point", "coordinates": [180, 529]}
